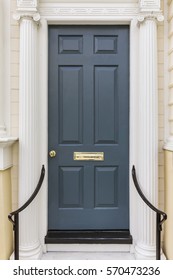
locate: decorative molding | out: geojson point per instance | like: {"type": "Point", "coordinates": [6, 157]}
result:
{"type": "Point", "coordinates": [6, 152]}
{"type": "Point", "coordinates": [77, 11]}
{"type": "Point", "coordinates": [27, 5]}
{"type": "Point", "coordinates": [149, 5]}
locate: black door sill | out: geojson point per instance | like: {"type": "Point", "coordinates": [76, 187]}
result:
{"type": "Point", "coordinates": [89, 237]}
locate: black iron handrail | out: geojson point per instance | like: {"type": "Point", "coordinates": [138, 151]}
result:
{"type": "Point", "coordinates": [159, 214]}
{"type": "Point", "coordinates": [15, 222]}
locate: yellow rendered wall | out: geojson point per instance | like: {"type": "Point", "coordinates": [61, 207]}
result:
{"type": "Point", "coordinates": [168, 235]}
{"type": "Point", "coordinates": [6, 240]}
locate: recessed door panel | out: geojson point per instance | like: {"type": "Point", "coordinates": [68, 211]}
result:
{"type": "Point", "coordinates": [70, 104]}
{"type": "Point", "coordinates": [70, 44]}
{"type": "Point", "coordinates": [70, 187]}
{"type": "Point", "coordinates": [106, 195]}
{"type": "Point", "coordinates": [106, 99]}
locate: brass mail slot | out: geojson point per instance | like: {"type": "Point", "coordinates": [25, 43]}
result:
{"type": "Point", "coordinates": [99, 156]}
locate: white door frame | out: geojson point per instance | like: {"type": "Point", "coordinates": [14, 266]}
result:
{"type": "Point", "coordinates": [130, 20]}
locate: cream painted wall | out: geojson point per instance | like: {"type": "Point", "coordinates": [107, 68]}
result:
{"type": "Point", "coordinates": [15, 99]}
{"type": "Point", "coordinates": [6, 237]}
{"type": "Point", "coordinates": [170, 65]}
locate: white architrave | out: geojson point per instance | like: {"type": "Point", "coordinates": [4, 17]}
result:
{"type": "Point", "coordinates": [30, 247]}
{"type": "Point", "coordinates": [148, 135]}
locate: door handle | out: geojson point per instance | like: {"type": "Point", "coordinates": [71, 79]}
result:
{"type": "Point", "coordinates": [52, 153]}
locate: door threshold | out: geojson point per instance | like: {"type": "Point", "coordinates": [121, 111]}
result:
{"type": "Point", "coordinates": [88, 237]}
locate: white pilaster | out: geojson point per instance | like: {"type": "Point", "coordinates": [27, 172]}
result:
{"type": "Point", "coordinates": [148, 135]}
{"type": "Point", "coordinates": [30, 247]}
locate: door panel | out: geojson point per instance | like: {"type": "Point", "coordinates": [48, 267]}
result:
{"type": "Point", "coordinates": [88, 112]}
{"type": "Point", "coordinates": [71, 187]}
{"type": "Point", "coordinates": [106, 195]}
{"type": "Point", "coordinates": [106, 128]}
{"type": "Point", "coordinates": [70, 104]}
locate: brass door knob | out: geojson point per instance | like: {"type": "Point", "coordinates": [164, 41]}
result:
{"type": "Point", "coordinates": [52, 153]}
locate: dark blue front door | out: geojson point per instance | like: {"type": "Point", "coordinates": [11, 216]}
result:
{"type": "Point", "coordinates": [88, 113]}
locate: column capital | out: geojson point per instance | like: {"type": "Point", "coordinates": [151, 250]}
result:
{"type": "Point", "coordinates": [27, 15]}
{"type": "Point", "coordinates": [157, 17]}
{"type": "Point", "coordinates": [27, 9]}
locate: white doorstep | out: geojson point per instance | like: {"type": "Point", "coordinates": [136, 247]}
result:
{"type": "Point", "coordinates": [88, 252]}
{"type": "Point", "coordinates": [89, 247]}
{"type": "Point", "coordinates": [87, 256]}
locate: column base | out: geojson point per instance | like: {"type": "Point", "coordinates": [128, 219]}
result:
{"type": "Point", "coordinates": [30, 252]}
{"type": "Point", "coordinates": [143, 252]}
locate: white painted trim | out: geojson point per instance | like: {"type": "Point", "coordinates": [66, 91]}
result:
{"type": "Point", "coordinates": [90, 13]}
{"type": "Point", "coordinates": [30, 5]}
{"type": "Point", "coordinates": [43, 125]}
{"type": "Point", "coordinates": [146, 5]}
{"type": "Point", "coordinates": [168, 145]}
{"type": "Point", "coordinates": [133, 124]}
{"type": "Point", "coordinates": [6, 160]}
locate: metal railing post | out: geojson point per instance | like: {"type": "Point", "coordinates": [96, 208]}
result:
{"type": "Point", "coordinates": [15, 222]}
{"type": "Point", "coordinates": [16, 237]}
{"type": "Point", "coordinates": [158, 232]}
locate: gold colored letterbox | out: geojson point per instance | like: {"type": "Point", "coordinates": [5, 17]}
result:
{"type": "Point", "coordinates": [98, 156]}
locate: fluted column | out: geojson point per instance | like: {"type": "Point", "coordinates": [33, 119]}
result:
{"type": "Point", "coordinates": [28, 159]}
{"type": "Point", "coordinates": [148, 135]}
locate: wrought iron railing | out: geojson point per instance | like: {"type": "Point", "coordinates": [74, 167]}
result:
{"type": "Point", "coordinates": [160, 215]}
{"type": "Point", "coordinates": [15, 222]}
